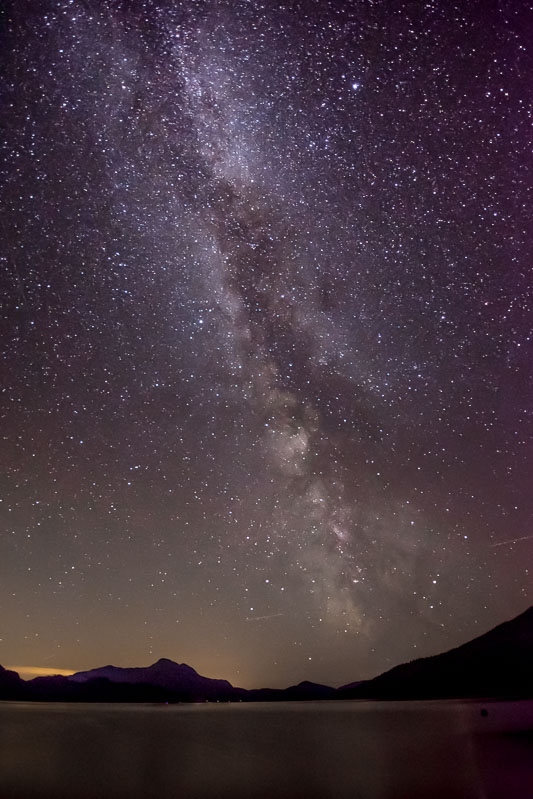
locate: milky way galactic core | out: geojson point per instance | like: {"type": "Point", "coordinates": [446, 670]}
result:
{"type": "Point", "coordinates": [266, 332]}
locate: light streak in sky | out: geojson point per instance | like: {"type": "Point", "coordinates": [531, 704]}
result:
{"type": "Point", "coordinates": [512, 541]}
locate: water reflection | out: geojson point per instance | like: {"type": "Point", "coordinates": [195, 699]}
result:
{"type": "Point", "coordinates": [312, 750]}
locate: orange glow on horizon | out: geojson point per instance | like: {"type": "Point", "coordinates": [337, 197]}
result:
{"type": "Point", "coordinates": [29, 672]}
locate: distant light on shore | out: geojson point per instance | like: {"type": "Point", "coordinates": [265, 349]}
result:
{"type": "Point", "coordinates": [29, 672]}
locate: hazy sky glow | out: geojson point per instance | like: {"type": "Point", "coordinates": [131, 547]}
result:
{"type": "Point", "coordinates": [267, 333]}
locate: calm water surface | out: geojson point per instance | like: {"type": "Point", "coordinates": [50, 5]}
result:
{"type": "Point", "coordinates": [387, 750]}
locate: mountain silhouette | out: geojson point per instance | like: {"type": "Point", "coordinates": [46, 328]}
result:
{"type": "Point", "coordinates": [11, 685]}
{"type": "Point", "coordinates": [181, 680]}
{"type": "Point", "coordinates": [498, 664]}
{"type": "Point", "coordinates": [304, 691]}
{"type": "Point", "coordinates": [174, 677]}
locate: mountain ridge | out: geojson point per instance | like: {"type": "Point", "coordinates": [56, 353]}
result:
{"type": "Point", "coordinates": [164, 673]}
{"type": "Point", "coordinates": [498, 663]}
{"type": "Point", "coordinates": [499, 656]}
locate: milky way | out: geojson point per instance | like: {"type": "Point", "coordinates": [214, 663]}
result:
{"type": "Point", "coordinates": [266, 332]}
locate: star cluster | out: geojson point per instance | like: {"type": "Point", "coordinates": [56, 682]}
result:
{"type": "Point", "coordinates": [266, 332]}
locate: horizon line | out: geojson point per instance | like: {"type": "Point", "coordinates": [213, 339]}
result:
{"type": "Point", "coordinates": [28, 672]}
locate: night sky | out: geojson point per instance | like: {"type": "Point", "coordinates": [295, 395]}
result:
{"type": "Point", "coordinates": [267, 332]}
